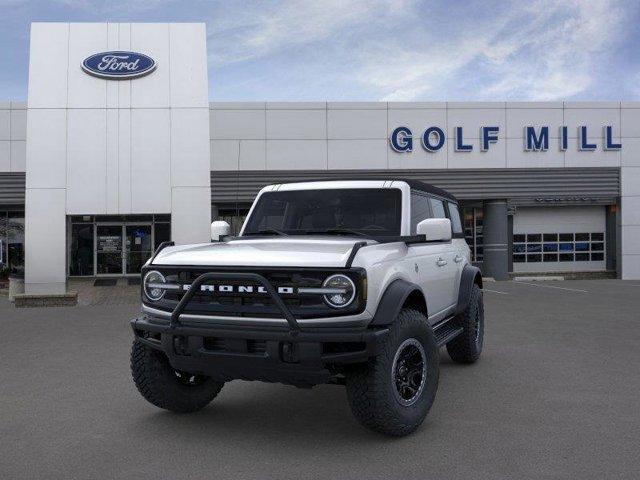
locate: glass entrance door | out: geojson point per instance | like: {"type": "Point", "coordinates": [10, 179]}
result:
{"type": "Point", "coordinates": [109, 260]}
{"type": "Point", "coordinates": [138, 247]}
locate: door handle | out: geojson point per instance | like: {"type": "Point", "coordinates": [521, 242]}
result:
{"type": "Point", "coordinates": [440, 262]}
{"type": "Point", "coordinates": [458, 258]}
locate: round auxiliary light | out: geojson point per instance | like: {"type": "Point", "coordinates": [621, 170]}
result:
{"type": "Point", "coordinates": [152, 283]}
{"type": "Point", "coordinates": [345, 291]}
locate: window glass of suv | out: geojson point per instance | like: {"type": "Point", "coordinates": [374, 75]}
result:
{"type": "Point", "coordinates": [437, 208]}
{"type": "Point", "coordinates": [419, 210]}
{"type": "Point", "coordinates": [454, 215]}
{"type": "Point", "coordinates": [366, 211]}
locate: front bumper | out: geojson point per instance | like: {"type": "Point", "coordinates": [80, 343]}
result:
{"type": "Point", "coordinates": [273, 354]}
{"type": "Point", "coordinates": [293, 354]}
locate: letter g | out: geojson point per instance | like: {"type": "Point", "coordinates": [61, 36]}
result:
{"type": "Point", "coordinates": [401, 139]}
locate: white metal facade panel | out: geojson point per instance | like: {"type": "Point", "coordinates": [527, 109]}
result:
{"type": "Point", "coordinates": [13, 134]}
{"type": "Point", "coordinates": [114, 147]}
{"type": "Point", "coordinates": [45, 231]}
{"type": "Point", "coordinates": [86, 161]}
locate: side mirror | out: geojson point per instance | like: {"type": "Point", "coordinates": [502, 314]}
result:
{"type": "Point", "coordinates": [219, 229]}
{"type": "Point", "coordinates": [435, 229]}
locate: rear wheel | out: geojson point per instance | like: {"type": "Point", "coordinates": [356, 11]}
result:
{"type": "Point", "coordinates": [393, 392]}
{"type": "Point", "coordinates": [165, 387]}
{"type": "Point", "coordinates": [467, 347]}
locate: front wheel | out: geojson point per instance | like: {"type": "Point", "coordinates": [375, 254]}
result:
{"type": "Point", "coordinates": [393, 392]}
{"type": "Point", "coordinates": [165, 387]}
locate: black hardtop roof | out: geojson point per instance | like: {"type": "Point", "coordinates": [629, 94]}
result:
{"type": "Point", "coordinates": [413, 184]}
{"type": "Point", "coordinates": [428, 188]}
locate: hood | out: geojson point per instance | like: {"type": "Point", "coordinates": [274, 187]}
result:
{"type": "Point", "coordinates": [263, 252]}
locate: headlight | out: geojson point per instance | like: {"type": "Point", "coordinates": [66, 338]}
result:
{"type": "Point", "coordinates": [153, 283]}
{"type": "Point", "coordinates": [344, 291]}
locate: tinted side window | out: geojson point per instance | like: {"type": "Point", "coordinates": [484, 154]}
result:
{"type": "Point", "coordinates": [419, 210]}
{"type": "Point", "coordinates": [437, 208]}
{"type": "Point", "coordinates": [454, 215]}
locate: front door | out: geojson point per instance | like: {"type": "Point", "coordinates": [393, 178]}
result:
{"type": "Point", "coordinates": [122, 249]}
{"type": "Point", "coordinates": [435, 271]}
{"type": "Point", "coordinates": [138, 247]}
{"type": "Point", "coordinates": [109, 250]}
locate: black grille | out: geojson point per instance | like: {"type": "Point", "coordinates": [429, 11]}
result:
{"type": "Point", "coordinates": [252, 347]}
{"type": "Point", "coordinates": [259, 304]}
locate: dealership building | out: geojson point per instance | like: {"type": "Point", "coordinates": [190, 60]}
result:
{"type": "Point", "coordinates": [117, 148]}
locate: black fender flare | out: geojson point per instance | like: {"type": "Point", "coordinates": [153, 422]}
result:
{"type": "Point", "coordinates": [392, 301]}
{"type": "Point", "coordinates": [470, 275]}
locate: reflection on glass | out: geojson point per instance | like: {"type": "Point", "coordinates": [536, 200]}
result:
{"type": "Point", "coordinates": [109, 249]}
{"type": "Point", "coordinates": [566, 247]}
{"type": "Point", "coordinates": [138, 245]}
{"type": "Point", "coordinates": [81, 261]}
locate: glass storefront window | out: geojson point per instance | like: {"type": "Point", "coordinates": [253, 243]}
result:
{"type": "Point", "coordinates": [103, 246]}
{"type": "Point", "coordinates": [81, 252]}
{"type": "Point", "coordinates": [109, 250]}
{"type": "Point", "coordinates": [235, 217]}
{"type": "Point", "coordinates": [472, 226]}
{"type": "Point", "coordinates": [12, 235]}
{"type": "Point", "coordinates": [4, 265]}
{"type": "Point", "coordinates": [163, 233]}
{"type": "Point", "coordinates": [138, 246]}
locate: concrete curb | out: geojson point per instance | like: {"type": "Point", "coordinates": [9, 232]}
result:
{"type": "Point", "coordinates": [545, 278]}
{"type": "Point", "coordinates": [69, 299]}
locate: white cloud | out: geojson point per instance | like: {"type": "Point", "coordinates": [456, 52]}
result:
{"type": "Point", "coordinates": [548, 50]}
{"type": "Point", "coordinates": [248, 33]}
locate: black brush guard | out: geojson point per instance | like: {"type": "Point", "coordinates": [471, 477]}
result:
{"type": "Point", "coordinates": [294, 327]}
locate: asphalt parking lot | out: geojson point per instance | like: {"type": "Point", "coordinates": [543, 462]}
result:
{"type": "Point", "coordinates": [555, 395]}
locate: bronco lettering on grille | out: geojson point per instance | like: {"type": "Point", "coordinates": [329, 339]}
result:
{"type": "Point", "coordinates": [239, 289]}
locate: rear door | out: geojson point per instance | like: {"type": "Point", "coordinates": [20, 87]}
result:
{"type": "Point", "coordinates": [460, 247]}
{"type": "Point", "coordinates": [446, 260]}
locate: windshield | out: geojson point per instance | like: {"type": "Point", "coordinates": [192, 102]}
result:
{"type": "Point", "coordinates": [358, 211]}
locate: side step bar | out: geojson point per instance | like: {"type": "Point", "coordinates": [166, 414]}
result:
{"type": "Point", "coordinates": [446, 331]}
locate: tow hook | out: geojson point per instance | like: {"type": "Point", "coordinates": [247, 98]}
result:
{"type": "Point", "coordinates": [181, 345]}
{"type": "Point", "coordinates": [289, 352]}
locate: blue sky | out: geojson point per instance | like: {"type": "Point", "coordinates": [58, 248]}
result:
{"type": "Point", "coordinates": [363, 50]}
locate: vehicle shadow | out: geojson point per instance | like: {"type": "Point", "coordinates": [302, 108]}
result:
{"type": "Point", "coordinates": [268, 413]}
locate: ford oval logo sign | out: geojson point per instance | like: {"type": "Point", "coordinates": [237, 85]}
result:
{"type": "Point", "coordinates": [118, 65]}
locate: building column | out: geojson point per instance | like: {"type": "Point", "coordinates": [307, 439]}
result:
{"type": "Point", "coordinates": [496, 239]}
{"type": "Point", "coordinates": [611, 228]}
{"type": "Point", "coordinates": [45, 241]}
{"type": "Point", "coordinates": [630, 221]}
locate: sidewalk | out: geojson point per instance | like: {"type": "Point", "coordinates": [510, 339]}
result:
{"type": "Point", "coordinates": [121, 294]}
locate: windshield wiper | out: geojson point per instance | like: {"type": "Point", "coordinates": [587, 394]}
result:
{"type": "Point", "coordinates": [341, 231]}
{"type": "Point", "coordinates": [269, 231]}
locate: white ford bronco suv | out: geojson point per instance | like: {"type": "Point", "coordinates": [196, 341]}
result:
{"type": "Point", "coordinates": [355, 283]}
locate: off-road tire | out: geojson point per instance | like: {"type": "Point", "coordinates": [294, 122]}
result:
{"type": "Point", "coordinates": [467, 347]}
{"type": "Point", "coordinates": [160, 385]}
{"type": "Point", "coordinates": [370, 386]}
